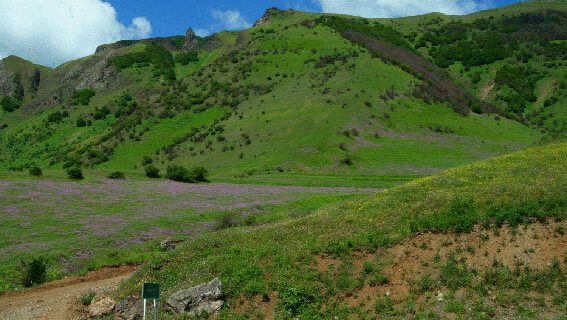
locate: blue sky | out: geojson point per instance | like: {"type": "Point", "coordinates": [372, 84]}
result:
{"type": "Point", "coordinates": [171, 17]}
{"type": "Point", "coordinates": [51, 32]}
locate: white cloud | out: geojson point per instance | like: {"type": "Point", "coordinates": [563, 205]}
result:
{"type": "Point", "coordinates": [224, 20]}
{"type": "Point", "coordinates": [202, 32]}
{"type": "Point", "coordinates": [231, 20]}
{"type": "Point", "coordinates": [398, 8]}
{"type": "Point", "coordinates": [51, 32]}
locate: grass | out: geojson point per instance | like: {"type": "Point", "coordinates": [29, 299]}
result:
{"type": "Point", "coordinates": [81, 226]}
{"type": "Point", "coordinates": [293, 127]}
{"type": "Point", "coordinates": [515, 189]}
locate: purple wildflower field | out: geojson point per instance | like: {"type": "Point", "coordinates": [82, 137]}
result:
{"type": "Point", "coordinates": [75, 220]}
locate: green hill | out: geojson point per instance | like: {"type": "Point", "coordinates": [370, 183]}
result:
{"type": "Point", "coordinates": [513, 57]}
{"type": "Point", "coordinates": [294, 100]}
{"type": "Point", "coordinates": [343, 261]}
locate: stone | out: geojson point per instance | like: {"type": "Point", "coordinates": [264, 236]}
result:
{"type": "Point", "coordinates": [129, 309]}
{"type": "Point", "coordinates": [204, 298]}
{"type": "Point", "coordinates": [101, 306]}
{"type": "Point", "coordinates": [440, 296]}
{"type": "Point", "coordinates": [191, 40]}
{"type": "Point", "coordinates": [167, 245]}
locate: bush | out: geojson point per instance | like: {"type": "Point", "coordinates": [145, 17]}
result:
{"type": "Point", "coordinates": [347, 161]}
{"type": "Point", "coordinates": [9, 104]}
{"type": "Point", "coordinates": [198, 174]}
{"type": "Point", "coordinates": [35, 171]}
{"type": "Point", "coordinates": [226, 221]}
{"type": "Point", "coordinates": [116, 175]}
{"type": "Point", "coordinates": [181, 174]}
{"type": "Point", "coordinates": [185, 58]}
{"type": "Point", "coordinates": [75, 173]}
{"type": "Point", "coordinates": [55, 117]}
{"type": "Point", "coordinates": [152, 172]}
{"type": "Point", "coordinates": [178, 173]}
{"type": "Point", "coordinates": [81, 123]}
{"type": "Point", "coordinates": [82, 97]}
{"type": "Point", "coordinates": [87, 298]}
{"type": "Point", "coordinates": [34, 272]}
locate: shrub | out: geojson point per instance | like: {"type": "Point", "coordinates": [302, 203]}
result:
{"type": "Point", "coordinates": [82, 97]}
{"type": "Point", "coordinates": [152, 172]}
{"type": "Point", "coordinates": [81, 123]}
{"type": "Point", "coordinates": [36, 171]}
{"type": "Point", "coordinates": [185, 58]}
{"type": "Point", "coordinates": [87, 298]}
{"type": "Point", "coordinates": [296, 300]}
{"type": "Point", "coordinates": [55, 117]}
{"type": "Point", "coordinates": [198, 174]}
{"type": "Point", "coordinates": [181, 174]}
{"type": "Point", "coordinates": [9, 104]}
{"type": "Point", "coordinates": [116, 175]}
{"type": "Point", "coordinates": [347, 161]}
{"type": "Point", "coordinates": [226, 221]}
{"type": "Point", "coordinates": [34, 272]}
{"type": "Point", "coordinates": [75, 173]}
{"type": "Point", "coordinates": [147, 160]}
{"type": "Point", "coordinates": [177, 173]}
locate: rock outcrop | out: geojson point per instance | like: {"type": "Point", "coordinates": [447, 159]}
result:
{"type": "Point", "coordinates": [205, 298]}
{"type": "Point", "coordinates": [101, 306]}
{"type": "Point", "coordinates": [274, 12]}
{"type": "Point", "coordinates": [191, 41]}
{"type": "Point", "coordinates": [7, 85]}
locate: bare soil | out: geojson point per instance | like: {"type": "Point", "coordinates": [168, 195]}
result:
{"type": "Point", "coordinates": [58, 300]}
{"type": "Point", "coordinates": [535, 246]}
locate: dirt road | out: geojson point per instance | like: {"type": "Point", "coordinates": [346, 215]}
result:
{"type": "Point", "coordinates": [58, 300]}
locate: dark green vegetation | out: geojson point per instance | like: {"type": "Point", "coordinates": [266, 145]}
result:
{"type": "Point", "coordinates": [34, 272]}
{"type": "Point", "coordinates": [301, 99]}
{"type": "Point", "coordinates": [513, 58]}
{"type": "Point", "coordinates": [286, 262]}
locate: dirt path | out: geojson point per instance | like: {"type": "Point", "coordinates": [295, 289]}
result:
{"type": "Point", "coordinates": [57, 300]}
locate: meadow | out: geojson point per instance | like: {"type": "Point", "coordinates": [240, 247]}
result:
{"type": "Point", "coordinates": [81, 226]}
{"type": "Point", "coordinates": [334, 262]}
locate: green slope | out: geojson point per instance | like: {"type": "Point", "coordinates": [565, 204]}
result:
{"type": "Point", "coordinates": [513, 57]}
{"type": "Point", "coordinates": [287, 101]}
{"type": "Point", "coordinates": [281, 261]}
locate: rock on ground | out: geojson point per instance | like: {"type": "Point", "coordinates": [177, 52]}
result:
{"type": "Point", "coordinates": [101, 306]}
{"type": "Point", "coordinates": [204, 298]}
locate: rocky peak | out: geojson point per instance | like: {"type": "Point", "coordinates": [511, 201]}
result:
{"type": "Point", "coordinates": [273, 12]}
{"type": "Point", "coordinates": [7, 83]}
{"type": "Point", "coordinates": [191, 40]}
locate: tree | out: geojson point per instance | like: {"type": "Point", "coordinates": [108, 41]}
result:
{"type": "Point", "coordinates": [75, 173]}
{"type": "Point", "coordinates": [198, 174]}
{"type": "Point", "coordinates": [152, 172]}
{"type": "Point", "coordinates": [36, 171]}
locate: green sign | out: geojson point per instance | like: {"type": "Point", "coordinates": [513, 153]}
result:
{"type": "Point", "coordinates": [150, 291]}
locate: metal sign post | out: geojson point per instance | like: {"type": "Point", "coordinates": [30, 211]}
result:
{"type": "Point", "coordinates": [150, 291]}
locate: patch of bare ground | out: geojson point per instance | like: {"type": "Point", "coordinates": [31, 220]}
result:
{"type": "Point", "coordinates": [257, 307]}
{"type": "Point", "coordinates": [534, 247]}
{"type": "Point", "coordinates": [58, 300]}
{"type": "Point", "coordinates": [485, 91]}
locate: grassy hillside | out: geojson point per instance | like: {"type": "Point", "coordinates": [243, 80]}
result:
{"type": "Point", "coordinates": [341, 261]}
{"type": "Point", "coordinates": [288, 101]}
{"type": "Point", "coordinates": [512, 57]}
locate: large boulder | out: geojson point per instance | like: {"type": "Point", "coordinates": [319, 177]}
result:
{"type": "Point", "coordinates": [101, 306]}
{"type": "Point", "coordinates": [204, 298]}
